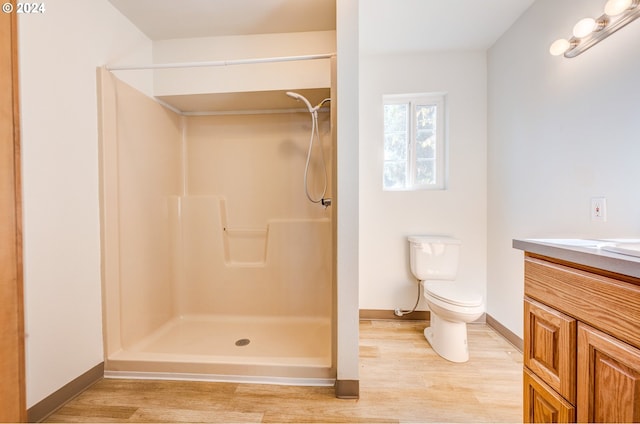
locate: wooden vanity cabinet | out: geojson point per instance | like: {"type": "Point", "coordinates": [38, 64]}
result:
{"type": "Point", "coordinates": [581, 344]}
{"type": "Point", "coordinates": [608, 378]}
{"type": "Point", "coordinates": [542, 404]}
{"type": "Point", "coordinates": [550, 347]}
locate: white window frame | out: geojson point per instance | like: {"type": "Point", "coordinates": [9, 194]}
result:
{"type": "Point", "coordinates": [413, 100]}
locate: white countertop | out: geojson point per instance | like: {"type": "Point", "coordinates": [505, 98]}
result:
{"type": "Point", "coordinates": [587, 252]}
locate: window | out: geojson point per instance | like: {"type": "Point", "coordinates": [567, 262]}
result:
{"type": "Point", "coordinates": [414, 142]}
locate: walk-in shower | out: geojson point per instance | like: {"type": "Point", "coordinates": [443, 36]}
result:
{"type": "Point", "coordinates": [215, 264]}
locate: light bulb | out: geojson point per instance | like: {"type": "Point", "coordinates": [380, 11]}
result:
{"type": "Point", "coordinates": [616, 7]}
{"type": "Point", "coordinates": [559, 46]}
{"type": "Point", "coordinates": [584, 27]}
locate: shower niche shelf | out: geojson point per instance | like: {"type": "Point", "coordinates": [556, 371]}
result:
{"type": "Point", "coordinates": [245, 247]}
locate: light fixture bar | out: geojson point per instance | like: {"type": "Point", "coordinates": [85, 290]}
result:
{"type": "Point", "coordinates": [589, 32]}
{"type": "Point", "coordinates": [611, 26]}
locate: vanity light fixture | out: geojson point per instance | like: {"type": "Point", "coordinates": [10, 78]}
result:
{"type": "Point", "coordinates": [616, 7]}
{"type": "Point", "coordinates": [586, 26]}
{"type": "Point", "coordinates": [589, 32]}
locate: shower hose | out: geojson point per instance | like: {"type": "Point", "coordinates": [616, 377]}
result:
{"type": "Point", "coordinates": [315, 135]}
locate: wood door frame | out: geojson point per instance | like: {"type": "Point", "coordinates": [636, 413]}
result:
{"type": "Point", "coordinates": [12, 350]}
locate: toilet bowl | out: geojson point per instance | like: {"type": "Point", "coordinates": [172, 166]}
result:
{"type": "Point", "coordinates": [434, 261]}
{"type": "Point", "coordinates": [451, 310]}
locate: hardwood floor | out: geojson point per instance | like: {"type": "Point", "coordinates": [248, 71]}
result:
{"type": "Point", "coordinates": [401, 380]}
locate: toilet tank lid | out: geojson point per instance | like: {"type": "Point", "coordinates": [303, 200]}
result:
{"type": "Point", "coordinates": [433, 239]}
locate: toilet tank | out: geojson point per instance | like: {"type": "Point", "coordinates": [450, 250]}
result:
{"type": "Point", "coordinates": [433, 257]}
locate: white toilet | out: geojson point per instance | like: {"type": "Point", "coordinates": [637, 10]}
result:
{"type": "Point", "coordinates": [434, 261]}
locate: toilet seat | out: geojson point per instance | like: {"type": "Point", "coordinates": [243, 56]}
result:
{"type": "Point", "coordinates": [452, 293]}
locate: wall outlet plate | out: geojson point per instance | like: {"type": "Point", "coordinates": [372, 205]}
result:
{"type": "Point", "coordinates": [599, 209]}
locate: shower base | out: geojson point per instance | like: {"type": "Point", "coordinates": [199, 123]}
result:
{"type": "Point", "coordinates": [278, 350]}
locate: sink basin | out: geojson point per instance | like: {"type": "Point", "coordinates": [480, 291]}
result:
{"type": "Point", "coordinates": [573, 242]}
{"type": "Point", "coordinates": [631, 249]}
{"type": "Point", "coordinates": [625, 246]}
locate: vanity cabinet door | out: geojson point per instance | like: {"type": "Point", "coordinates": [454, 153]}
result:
{"type": "Point", "coordinates": [550, 347]}
{"type": "Point", "coordinates": [608, 378]}
{"type": "Point", "coordinates": [542, 404]}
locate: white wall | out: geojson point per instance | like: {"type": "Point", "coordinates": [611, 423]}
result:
{"type": "Point", "coordinates": [560, 132]}
{"type": "Point", "coordinates": [347, 196]}
{"type": "Point", "coordinates": [59, 53]}
{"type": "Point", "coordinates": [387, 218]}
{"type": "Point", "coordinates": [254, 77]}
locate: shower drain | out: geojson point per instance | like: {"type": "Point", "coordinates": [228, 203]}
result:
{"type": "Point", "coordinates": [242, 342]}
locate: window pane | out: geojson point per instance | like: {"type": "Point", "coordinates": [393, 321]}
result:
{"type": "Point", "coordinates": [426, 148]}
{"type": "Point", "coordinates": [395, 146]}
{"type": "Point", "coordinates": [395, 131]}
{"type": "Point", "coordinates": [395, 174]}
{"type": "Point", "coordinates": [425, 171]}
{"type": "Point", "coordinates": [395, 118]}
{"type": "Point", "coordinates": [426, 117]}
{"type": "Point", "coordinates": [426, 131]}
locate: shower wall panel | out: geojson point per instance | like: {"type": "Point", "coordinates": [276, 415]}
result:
{"type": "Point", "coordinates": [280, 270]}
{"type": "Point", "coordinates": [253, 243]}
{"type": "Point", "coordinates": [141, 166]}
{"type": "Point", "coordinates": [257, 162]}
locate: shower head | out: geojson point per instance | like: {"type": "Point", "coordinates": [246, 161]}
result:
{"type": "Point", "coordinates": [301, 97]}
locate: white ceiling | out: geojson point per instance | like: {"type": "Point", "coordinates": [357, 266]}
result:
{"type": "Point", "coordinates": [386, 26]}
{"type": "Point", "coordinates": [435, 25]}
{"type": "Point", "coordinates": [167, 19]}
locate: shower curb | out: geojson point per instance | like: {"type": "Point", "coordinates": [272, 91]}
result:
{"type": "Point", "coordinates": [221, 378]}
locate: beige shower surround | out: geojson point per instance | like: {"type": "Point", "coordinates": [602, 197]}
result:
{"type": "Point", "coordinates": [208, 237]}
